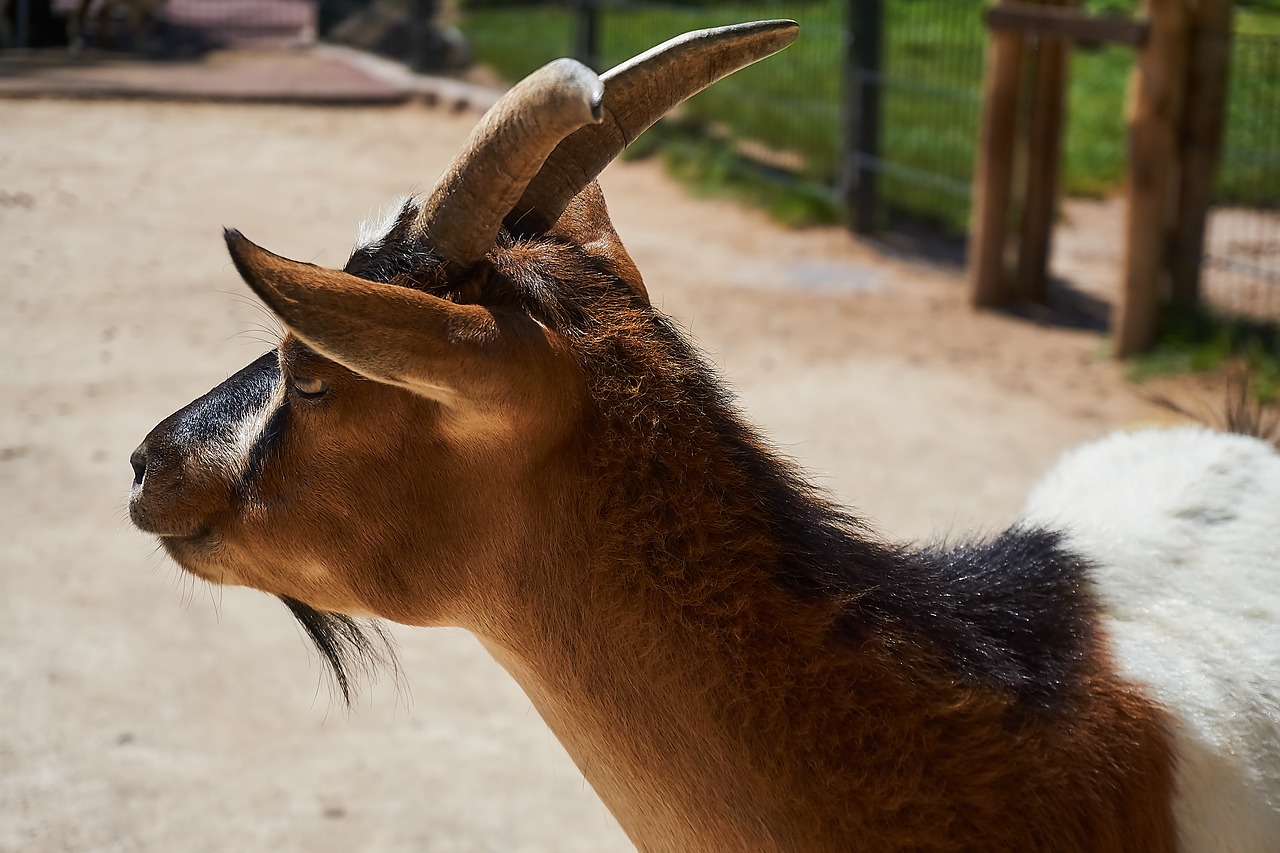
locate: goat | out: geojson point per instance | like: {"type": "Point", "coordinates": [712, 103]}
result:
{"type": "Point", "coordinates": [482, 421]}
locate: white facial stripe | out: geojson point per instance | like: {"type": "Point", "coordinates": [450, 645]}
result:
{"type": "Point", "coordinates": [231, 455]}
{"type": "Point", "coordinates": [251, 429]}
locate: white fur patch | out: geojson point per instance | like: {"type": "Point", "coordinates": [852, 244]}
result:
{"type": "Point", "coordinates": [1184, 526]}
{"type": "Point", "coordinates": [231, 454]}
{"type": "Point", "coordinates": [375, 228]}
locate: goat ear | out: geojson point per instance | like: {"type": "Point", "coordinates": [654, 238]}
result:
{"type": "Point", "coordinates": [587, 224]}
{"type": "Point", "coordinates": [456, 354]}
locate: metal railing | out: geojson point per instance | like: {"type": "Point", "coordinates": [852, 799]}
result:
{"type": "Point", "coordinates": [1242, 247]}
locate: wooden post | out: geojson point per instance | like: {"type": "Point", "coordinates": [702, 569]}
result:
{"type": "Point", "coordinates": [864, 33]}
{"type": "Point", "coordinates": [1156, 90]}
{"type": "Point", "coordinates": [994, 169]}
{"type": "Point", "coordinates": [1208, 69]}
{"type": "Point", "coordinates": [1043, 163]}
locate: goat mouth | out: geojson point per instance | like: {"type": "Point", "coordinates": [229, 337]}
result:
{"type": "Point", "coordinates": [189, 551]}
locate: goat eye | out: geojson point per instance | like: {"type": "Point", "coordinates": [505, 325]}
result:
{"type": "Point", "coordinates": [309, 388]}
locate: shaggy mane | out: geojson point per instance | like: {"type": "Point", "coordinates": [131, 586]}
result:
{"type": "Point", "coordinates": [1016, 612]}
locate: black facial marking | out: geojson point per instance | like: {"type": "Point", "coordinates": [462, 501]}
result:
{"type": "Point", "coordinates": [219, 414]}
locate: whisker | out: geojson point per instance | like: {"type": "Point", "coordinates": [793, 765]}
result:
{"type": "Point", "coordinates": [217, 608]}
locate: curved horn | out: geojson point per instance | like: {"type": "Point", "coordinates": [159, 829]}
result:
{"type": "Point", "coordinates": [462, 217]}
{"type": "Point", "coordinates": [638, 93]}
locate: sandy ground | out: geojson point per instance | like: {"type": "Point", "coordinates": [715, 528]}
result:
{"type": "Point", "coordinates": [141, 711]}
{"type": "Point", "coordinates": [1241, 277]}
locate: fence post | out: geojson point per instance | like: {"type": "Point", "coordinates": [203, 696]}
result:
{"type": "Point", "coordinates": [327, 17]}
{"type": "Point", "coordinates": [1208, 69]}
{"type": "Point", "coordinates": [1043, 162]}
{"type": "Point", "coordinates": [586, 34]}
{"type": "Point", "coordinates": [1155, 122]}
{"type": "Point", "coordinates": [864, 33]}
{"type": "Point", "coordinates": [420, 16]}
{"type": "Point", "coordinates": [993, 172]}
{"type": "Point", "coordinates": [22, 24]}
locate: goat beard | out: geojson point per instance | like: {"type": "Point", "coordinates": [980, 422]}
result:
{"type": "Point", "coordinates": [354, 650]}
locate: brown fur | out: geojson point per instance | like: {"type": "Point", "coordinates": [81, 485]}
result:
{"type": "Point", "coordinates": [816, 745]}
{"type": "Point", "coordinates": [561, 476]}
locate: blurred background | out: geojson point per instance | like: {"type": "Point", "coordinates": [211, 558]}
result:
{"type": "Point", "coordinates": [822, 224]}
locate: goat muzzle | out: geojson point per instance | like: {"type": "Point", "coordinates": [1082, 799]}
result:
{"type": "Point", "coordinates": [190, 468]}
{"type": "Point", "coordinates": [165, 499]}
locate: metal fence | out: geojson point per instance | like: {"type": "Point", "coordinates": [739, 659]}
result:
{"type": "Point", "coordinates": [878, 104]}
{"type": "Point", "coordinates": [783, 115]}
{"type": "Point", "coordinates": [911, 152]}
{"type": "Point", "coordinates": [874, 111]}
{"type": "Point", "coordinates": [1242, 247]}
{"type": "Point", "coordinates": [790, 114]}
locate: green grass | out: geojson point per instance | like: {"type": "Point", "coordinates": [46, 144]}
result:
{"type": "Point", "coordinates": [1261, 18]}
{"type": "Point", "coordinates": [1200, 342]}
{"type": "Point", "coordinates": [761, 103]}
{"type": "Point", "coordinates": [933, 62]}
{"type": "Point", "coordinates": [514, 42]}
{"type": "Point", "coordinates": [711, 168]}
{"type": "Point", "coordinates": [1094, 152]}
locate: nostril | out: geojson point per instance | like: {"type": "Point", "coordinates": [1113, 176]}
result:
{"type": "Point", "coordinates": [139, 462]}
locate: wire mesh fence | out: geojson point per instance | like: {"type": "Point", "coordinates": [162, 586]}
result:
{"type": "Point", "coordinates": [795, 119]}
{"type": "Point", "coordinates": [798, 112]}
{"type": "Point", "coordinates": [1242, 247]}
{"type": "Point", "coordinates": [930, 86]}
{"type": "Point", "coordinates": [787, 108]}
{"type": "Point", "coordinates": [790, 113]}
{"type": "Point", "coordinates": [926, 78]}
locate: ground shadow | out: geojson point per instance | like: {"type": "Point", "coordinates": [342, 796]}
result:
{"type": "Point", "coordinates": [1068, 308]}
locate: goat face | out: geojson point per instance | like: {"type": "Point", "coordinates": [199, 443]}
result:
{"type": "Point", "coordinates": [409, 438]}
{"type": "Point", "coordinates": [301, 477]}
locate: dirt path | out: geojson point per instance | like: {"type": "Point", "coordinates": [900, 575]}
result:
{"type": "Point", "coordinates": [143, 712]}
